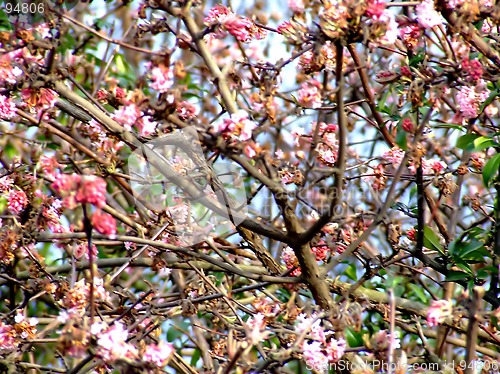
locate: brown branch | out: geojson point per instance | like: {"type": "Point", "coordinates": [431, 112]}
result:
{"type": "Point", "coordinates": [473, 329]}
{"type": "Point", "coordinates": [45, 237]}
{"type": "Point", "coordinates": [111, 40]}
{"type": "Point", "coordinates": [161, 165]}
{"type": "Point", "coordinates": [468, 32]}
{"type": "Point", "coordinates": [378, 301]}
{"type": "Point", "coordinates": [340, 164]}
{"type": "Point", "coordinates": [369, 96]}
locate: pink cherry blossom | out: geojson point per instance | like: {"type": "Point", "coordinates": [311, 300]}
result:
{"type": "Point", "coordinates": [335, 349]}
{"type": "Point", "coordinates": [473, 69]}
{"type": "Point", "coordinates": [82, 250]}
{"type": "Point", "coordinates": [103, 222]}
{"type": "Point", "coordinates": [438, 311]}
{"type": "Point", "coordinates": [179, 213]}
{"type": "Point", "coordinates": [291, 261]}
{"type": "Point", "coordinates": [42, 99]}
{"type": "Point", "coordinates": [162, 77]}
{"type": "Point", "coordinates": [8, 339]}
{"type": "Point", "coordinates": [16, 201]}
{"type": "Point", "coordinates": [429, 167]}
{"type": "Point", "coordinates": [240, 27]}
{"type": "Point", "coordinates": [6, 184]}
{"type": "Point", "coordinates": [427, 16]}
{"type": "Point", "coordinates": [412, 234]}
{"type": "Point", "coordinates": [49, 165]}
{"type": "Point", "coordinates": [392, 27]}
{"type": "Point", "coordinates": [127, 116]}
{"type": "Point", "coordinates": [112, 344]}
{"type": "Point", "coordinates": [158, 354]}
{"type": "Point", "coordinates": [314, 356]}
{"type": "Point", "coordinates": [52, 218]}
{"type": "Point", "coordinates": [309, 95]}
{"type": "Point", "coordinates": [375, 8]}
{"type": "Point", "coordinates": [452, 4]}
{"type": "Point", "coordinates": [185, 110]}
{"type": "Point", "coordinates": [238, 126]}
{"type": "Point", "coordinates": [217, 14]}
{"type": "Point", "coordinates": [469, 99]}
{"type": "Point", "coordinates": [320, 250]}
{"type": "Point", "coordinates": [328, 53]}
{"type": "Point", "coordinates": [92, 190]}
{"type": "Point", "coordinates": [408, 125]}
{"type": "Point", "coordinates": [250, 149]}
{"type": "Point", "coordinates": [66, 186]}
{"type": "Point", "coordinates": [395, 155]}
{"type": "Point", "coordinates": [307, 61]}
{"type": "Point", "coordinates": [296, 6]}
{"type": "Point", "coordinates": [7, 108]}
{"type": "Point", "coordinates": [328, 149]}
{"type": "Point", "coordinates": [255, 328]}
{"type": "Point", "coordinates": [293, 31]}
{"type": "Point", "coordinates": [47, 99]}
{"type": "Point", "coordinates": [8, 71]}
{"type": "Point", "coordinates": [146, 126]}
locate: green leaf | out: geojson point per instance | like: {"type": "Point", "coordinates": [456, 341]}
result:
{"type": "Point", "coordinates": [354, 339]}
{"type": "Point", "coordinates": [475, 232]}
{"type": "Point", "coordinates": [173, 334]}
{"type": "Point", "coordinates": [450, 126]}
{"type": "Point", "coordinates": [486, 272]}
{"type": "Point", "coordinates": [3, 203]}
{"type": "Point", "coordinates": [196, 357]}
{"type": "Point", "coordinates": [489, 100]}
{"type": "Point", "coordinates": [419, 291]}
{"type": "Point", "coordinates": [453, 276]}
{"type": "Point", "coordinates": [401, 139]}
{"type": "Point", "coordinates": [5, 24]}
{"type": "Point", "coordinates": [484, 142]}
{"type": "Point", "coordinates": [472, 248]}
{"type": "Point", "coordinates": [464, 266]}
{"type": "Point", "coordinates": [10, 150]}
{"type": "Point", "coordinates": [413, 193]}
{"type": "Point", "coordinates": [121, 64]}
{"type": "Point", "coordinates": [467, 141]}
{"type": "Point", "coordinates": [350, 272]}
{"type": "Point", "coordinates": [490, 169]}
{"type": "Point", "coordinates": [417, 59]}
{"type": "Point", "coordinates": [385, 109]}
{"type": "Point", "coordinates": [381, 106]}
{"type": "Point", "coordinates": [459, 250]}
{"type": "Point", "coordinates": [431, 240]}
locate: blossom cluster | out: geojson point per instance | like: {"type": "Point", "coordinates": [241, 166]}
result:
{"type": "Point", "coordinates": [470, 98]}
{"type": "Point", "coordinates": [131, 116]}
{"type": "Point", "coordinates": [327, 145]}
{"type": "Point", "coordinates": [396, 155]}
{"type": "Point", "coordinates": [341, 18]}
{"type": "Point", "coordinates": [7, 108]}
{"type": "Point", "coordinates": [321, 251]}
{"type": "Point", "coordinates": [75, 189]}
{"type": "Point", "coordinates": [12, 335]}
{"type": "Point", "coordinates": [76, 299]}
{"type": "Point", "coordinates": [242, 28]}
{"type": "Point", "coordinates": [320, 348]}
{"type": "Point", "coordinates": [438, 311]}
{"type": "Point", "coordinates": [17, 200]}
{"type": "Point", "coordinates": [238, 126]}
